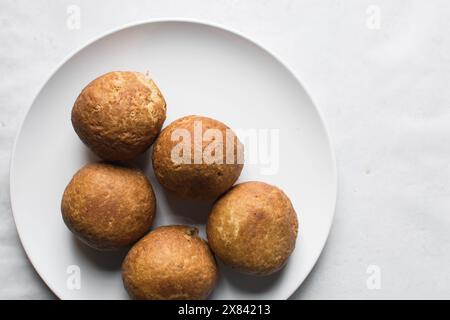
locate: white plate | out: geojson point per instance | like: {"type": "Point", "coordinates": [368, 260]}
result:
{"type": "Point", "coordinates": [201, 69]}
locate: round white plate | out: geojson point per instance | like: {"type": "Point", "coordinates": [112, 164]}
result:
{"type": "Point", "coordinates": [201, 69]}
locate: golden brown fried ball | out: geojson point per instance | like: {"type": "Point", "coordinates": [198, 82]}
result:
{"type": "Point", "coordinates": [197, 166]}
{"type": "Point", "coordinates": [170, 263]}
{"type": "Point", "coordinates": [253, 228]}
{"type": "Point", "coordinates": [108, 206]}
{"type": "Point", "coordinates": [119, 115]}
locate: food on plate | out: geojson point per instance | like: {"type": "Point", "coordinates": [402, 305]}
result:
{"type": "Point", "coordinates": [119, 115]}
{"type": "Point", "coordinates": [170, 263]}
{"type": "Point", "coordinates": [253, 228]}
{"type": "Point", "coordinates": [108, 206]}
{"type": "Point", "coordinates": [197, 157]}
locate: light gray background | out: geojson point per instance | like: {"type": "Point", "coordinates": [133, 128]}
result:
{"type": "Point", "coordinates": [382, 86]}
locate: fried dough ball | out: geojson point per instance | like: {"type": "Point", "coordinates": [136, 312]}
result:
{"type": "Point", "coordinates": [253, 228]}
{"type": "Point", "coordinates": [197, 158]}
{"type": "Point", "coordinates": [119, 115]}
{"type": "Point", "coordinates": [108, 206]}
{"type": "Point", "coordinates": [170, 263]}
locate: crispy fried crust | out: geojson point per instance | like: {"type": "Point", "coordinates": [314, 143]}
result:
{"type": "Point", "coordinates": [195, 181]}
{"type": "Point", "coordinates": [170, 263]}
{"type": "Point", "coordinates": [253, 228]}
{"type": "Point", "coordinates": [108, 206]}
{"type": "Point", "coordinates": [119, 115]}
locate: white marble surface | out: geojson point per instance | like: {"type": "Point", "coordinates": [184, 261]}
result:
{"type": "Point", "coordinates": [381, 85]}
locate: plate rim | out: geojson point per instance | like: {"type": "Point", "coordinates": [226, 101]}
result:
{"type": "Point", "coordinates": [174, 20]}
